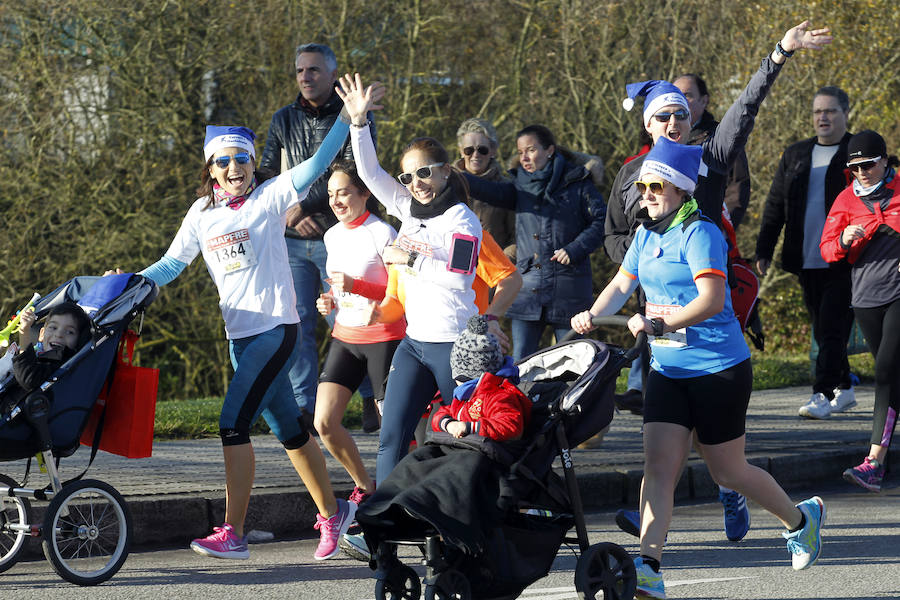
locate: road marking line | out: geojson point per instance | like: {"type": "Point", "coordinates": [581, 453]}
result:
{"type": "Point", "coordinates": [566, 593]}
{"type": "Point", "coordinates": [709, 580]}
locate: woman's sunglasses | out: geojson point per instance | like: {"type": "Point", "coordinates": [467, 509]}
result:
{"type": "Point", "coordinates": [241, 158]}
{"type": "Point", "coordinates": [863, 165]}
{"type": "Point", "coordinates": [656, 187]}
{"type": "Point", "coordinates": [470, 150]}
{"type": "Point", "coordinates": [680, 115]}
{"type": "Point", "coordinates": [421, 173]}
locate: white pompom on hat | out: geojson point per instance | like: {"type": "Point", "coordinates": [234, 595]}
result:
{"type": "Point", "coordinates": [656, 93]}
{"type": "Point", "coordinates": [475, 351]}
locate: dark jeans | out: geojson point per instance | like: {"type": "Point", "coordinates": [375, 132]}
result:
{"type": "Point", "coordinates": [826, 293]}
{"type": "Point", "coordinates": [418, 370]}
{"type": "Point", "coordinates": [881, 326]}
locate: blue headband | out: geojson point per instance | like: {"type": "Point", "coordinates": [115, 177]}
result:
{"type": "Point", "coordinates": [228, 136]}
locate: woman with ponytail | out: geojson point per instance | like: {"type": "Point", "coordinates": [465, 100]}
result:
{"type": "Point", "coordinates": [436, 252]}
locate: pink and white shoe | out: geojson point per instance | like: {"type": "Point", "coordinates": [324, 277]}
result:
{"type": "Point", "coordinates": [222, 543]}
{"type": "Point", "coordinates": [331, 530]}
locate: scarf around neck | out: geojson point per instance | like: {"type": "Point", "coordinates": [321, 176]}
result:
{"type": "Point", "coordinates": [673, 219]}
{"type": "Point", "coordinates": [452, 194]}
{"type": "Point", "coordinates": [542, 182]}
{"type": "Point", "coordinates": [231, 201]}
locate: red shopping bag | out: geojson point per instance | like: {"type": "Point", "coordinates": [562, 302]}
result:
{"type": "Point", "coordinates": [126, 405]}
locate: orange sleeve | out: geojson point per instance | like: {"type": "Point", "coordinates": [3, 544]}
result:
{"type": "Point", "coordinates": [493, 265]}
{"type": "Point", "coordinates": [392, 308]}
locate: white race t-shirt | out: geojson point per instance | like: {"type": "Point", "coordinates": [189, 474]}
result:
{"type": "Point", "coordinates": [246, 256]}
{"type": "Point", "coordinates": [357, 252]}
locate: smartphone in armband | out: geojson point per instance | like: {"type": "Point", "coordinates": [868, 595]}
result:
{"type": "Point", "coordinates": [463, 254]}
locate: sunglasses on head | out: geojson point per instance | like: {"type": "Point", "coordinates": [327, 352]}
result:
{"type": "Point", "coordinates": [863, 165]}
{"type": "Point", "coordinates": [680, 115]}
{"type": "Point", "coordinates": [421, 173]}
{"type": "Point", "coordinates": [470, 150]}
{"type": "Point", "coordinates": [241, 158]}
{"type": "Point", "coordinates": [656, 187]}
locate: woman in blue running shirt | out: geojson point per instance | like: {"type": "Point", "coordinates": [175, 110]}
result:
{"type": "Point", "coordinates": [700, 378]}
{"type": "Point", "coordinates": [237, 224]}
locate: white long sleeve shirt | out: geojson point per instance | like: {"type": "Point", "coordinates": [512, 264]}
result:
{"type": "Point", "coordinates": [439, 302]}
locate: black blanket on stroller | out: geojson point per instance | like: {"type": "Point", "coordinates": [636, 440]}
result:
{"type": "Point", "coordinates": [454, 490]}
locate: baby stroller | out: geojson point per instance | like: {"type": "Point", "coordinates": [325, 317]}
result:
{"type": "Point", "coordinates": [489, 517]}
{"type": "Point", "coordinates": [86, 528]}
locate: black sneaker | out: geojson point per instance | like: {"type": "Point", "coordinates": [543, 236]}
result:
{"type": "Point", "coordinates": [632, 401]}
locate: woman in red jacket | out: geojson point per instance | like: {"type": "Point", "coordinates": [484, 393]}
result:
{"type": "Point", "coordinates": [863, 227]}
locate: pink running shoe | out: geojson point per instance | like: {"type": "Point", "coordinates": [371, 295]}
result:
{"type": "Point", "coordinates": [331, 530]}
{"type": "Point", "coordinates": [222, 543]}
{"type": "Point", "coordinates": [868, 475]}
{"type": "Point", "coordinates": [358, 496]}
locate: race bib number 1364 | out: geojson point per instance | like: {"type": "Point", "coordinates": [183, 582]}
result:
{"type": "Point", "coordinates": [232, 251]}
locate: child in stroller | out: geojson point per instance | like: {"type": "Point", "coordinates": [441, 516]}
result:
{"type": "Point", "coordinates": [63, 333]}
{"type": "Point", "coordinates": [86, 528]}
{"type": "Point", "coordinates": [489, 516]}
{"type": "Point", "coordinates": [486, 400]}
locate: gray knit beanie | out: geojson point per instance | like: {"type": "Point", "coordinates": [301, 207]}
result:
{"type": "Point", "coordinates": [475, 351]}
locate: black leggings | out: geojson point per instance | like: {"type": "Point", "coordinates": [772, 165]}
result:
{"type": "Point", "coordinates": [881, 327]}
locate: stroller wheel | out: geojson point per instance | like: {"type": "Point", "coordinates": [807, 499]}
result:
{"type": "Point", "coordinates": [449, 585]}
{"type": "Point", "coordinates": [606, 568]}
{"type": "Point", "coordinates": [15, 516]}
{"type": "Point", "coordinates": [401, 583]}
{"type": "Point", "coordinates": [87, 532]}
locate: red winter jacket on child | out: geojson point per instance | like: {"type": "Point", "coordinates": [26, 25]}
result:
{"type": "Point", "coordinates": [496, 409]}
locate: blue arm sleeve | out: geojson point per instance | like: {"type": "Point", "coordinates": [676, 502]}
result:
{"type": "Point", "coordinates": [164, 270]}
{"type": "Point", "coordinates": [304, 174]}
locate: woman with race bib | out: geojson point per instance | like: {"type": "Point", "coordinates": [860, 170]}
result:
{"type": "Point", "coordinates": [237, 225]}
{"type": "Point", "coordinates": [700, 377]}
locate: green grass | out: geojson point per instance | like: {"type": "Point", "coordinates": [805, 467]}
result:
{"type": "Point", "coordinates": [197, 418]}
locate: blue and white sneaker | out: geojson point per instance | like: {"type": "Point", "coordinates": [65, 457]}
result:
{"type": "Point", "coordinates": [354, 546]}
{"type": "Point", "coordinates": [805, 544]}
{"type": "Point", "coordinates": [737, 517]}
{"type": "Point", "coordinates": [649, 582]}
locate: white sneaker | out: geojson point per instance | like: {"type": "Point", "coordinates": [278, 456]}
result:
{"type": "Point", "coordinates": [818, 407]}
{"type": "Point", "coordinates": [843, 400]}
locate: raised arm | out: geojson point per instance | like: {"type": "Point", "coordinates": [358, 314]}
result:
{"type": "Point", "coordinates": [358, 100]}
{"type": "Point", "coordinates": [735, 127]}
{"type": "Point", "coordinates": [304, 174]}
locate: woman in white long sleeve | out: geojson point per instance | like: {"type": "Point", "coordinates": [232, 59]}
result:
{"type": "Point", "coordinates": [237, 225]}
{"type": "Point", "coordinates": [437, 246]}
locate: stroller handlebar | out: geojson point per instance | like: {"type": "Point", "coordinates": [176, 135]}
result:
{"type": "Point", "coordinates": [614, 321]}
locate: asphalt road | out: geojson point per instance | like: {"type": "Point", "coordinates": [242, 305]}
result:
{"type": "Point", "coordinates": [860, 560]}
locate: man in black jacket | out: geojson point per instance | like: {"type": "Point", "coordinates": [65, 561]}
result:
{"type": "Point", "coordinates": [810, 175]}
{"type": "Point", "coordinates": [295, 133]}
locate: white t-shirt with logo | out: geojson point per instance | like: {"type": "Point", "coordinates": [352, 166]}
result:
{"type": "Point", "coordinates": [439, 302]}
{"type": "Point", "coordinates": [357, 252]}
{"type": "Point", "coordinates": [246, 256]}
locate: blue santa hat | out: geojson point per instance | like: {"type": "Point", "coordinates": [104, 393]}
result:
{"type": "Point", "coordinates": [228, 136]}
{"type": "Point", "coordinates": [676, 163]}
{"type": "Point", "coordinates": [657, 93]}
